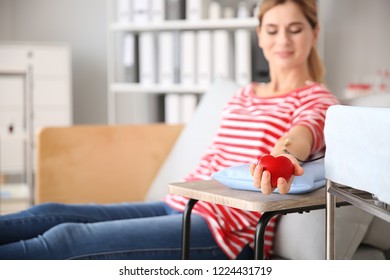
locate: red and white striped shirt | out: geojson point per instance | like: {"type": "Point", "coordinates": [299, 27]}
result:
{"type": "Point", "coordinates": [250, 126]}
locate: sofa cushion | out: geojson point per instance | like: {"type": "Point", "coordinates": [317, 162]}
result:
{"type": "Point", "coordinates": [366, 252]}
{"type": "Point", "coordinates": [194, 139]}
{"type": "Point", "coordinates": [302, 236]}
{"type": "Point", "coordinates": [378, 234]}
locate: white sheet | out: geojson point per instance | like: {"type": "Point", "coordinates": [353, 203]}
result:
{"type": "Point", "coordinates": [358, 148]}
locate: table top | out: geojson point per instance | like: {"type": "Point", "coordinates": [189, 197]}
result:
{"type": "Point", "coordinates": [215, 192]}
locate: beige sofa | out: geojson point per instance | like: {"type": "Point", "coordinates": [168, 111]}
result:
{"type": "Point", "coordinates": [106, 164]}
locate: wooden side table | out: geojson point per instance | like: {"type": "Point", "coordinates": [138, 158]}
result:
{"type": "Point", "coordinates": [270, 205]}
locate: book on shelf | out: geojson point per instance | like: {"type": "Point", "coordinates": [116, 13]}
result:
{"type": "Point", "coordinates": [242, 49]}
{"type": "Point", "coordinates": [197, 9]}
{"type": "Point", "coordinates": [146, 105]}
{"type": "Point", "coordinates": [172, 108]}
{"type": "Point", "coordinates": [166, 57]}
{"type": "Point", "coordinates": [188, 58]}
{"type": "Point", "coordinates": [157, 10]}
{"type": "Point", "coordinates": [169, 61]}
{"type": "Point", "coordinates": [175, 9]}
{"type": "Point", "coordinates": [188, 104]}
{"type": "Point", "coordinates": [166, 75]}
{"type": "Point", "coordinates": [147, 58]}
{"type": "Point", "coordinates": [195, 54]}
{"type": "Point", "coordinates": [146, 53]}
{"type": "Point", "coordinates": [141, 11]}
{"type": "Point", "coordinates": [222, 45]}
{"type": "Point", "coordinates": [127, 66]}
{"type": "Point", "coordinates": [124, 11]}
{"type": "Point", "coordinates": [204, 58]}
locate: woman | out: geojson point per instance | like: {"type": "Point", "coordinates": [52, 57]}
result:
{"type": "Point", "coordinates": [284, 117]}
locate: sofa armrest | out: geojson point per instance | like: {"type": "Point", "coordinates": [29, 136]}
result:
{"type": "Point", "coordinates": [100, 163]}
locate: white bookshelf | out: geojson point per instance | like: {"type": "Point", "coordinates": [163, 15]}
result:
{"type": "Point", "coordinates": [181, 25]}
{"type": "Point", "coordinates": [157, 88]}
{"type": "Point", "coordinates": [118, 89]}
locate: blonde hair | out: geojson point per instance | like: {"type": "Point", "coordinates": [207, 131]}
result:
{"type": "Point", "coordinates": [309, 10]}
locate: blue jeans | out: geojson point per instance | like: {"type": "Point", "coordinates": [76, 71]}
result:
{"type": "Point", "coordinates": [150, 230]}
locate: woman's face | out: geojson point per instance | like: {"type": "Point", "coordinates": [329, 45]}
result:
{"type": "Point", "coordinates": [286, 36]}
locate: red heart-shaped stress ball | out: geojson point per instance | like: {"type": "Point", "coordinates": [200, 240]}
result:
{"type": "Point", "coordinates": [278, 167]}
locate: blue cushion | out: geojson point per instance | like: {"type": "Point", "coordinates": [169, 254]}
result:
{"type": "Point", "coordinates": [239, 177]}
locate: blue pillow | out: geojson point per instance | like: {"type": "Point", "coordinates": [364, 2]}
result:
{"type": "Point", "coordinates": [239, 177]}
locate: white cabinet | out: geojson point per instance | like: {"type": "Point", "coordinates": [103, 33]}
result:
{"type": "Point", "coordinates": [51, 85]}
{"type": "Point", "coordinates": [26, 106]}
{"type": "Point", "coordinates": [127, 99]}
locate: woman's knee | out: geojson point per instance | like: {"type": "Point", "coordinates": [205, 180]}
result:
{"type": "Point", "coordinates": [66, 229]}
{"type": "Point", "coordinates": [48, 208]}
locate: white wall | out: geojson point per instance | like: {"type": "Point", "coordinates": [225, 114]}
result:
{"type": "Point", "coordinates": [5, 18]}
{"type": "Point", "coordinates": [355, 44]}
{"type": "Point", "coordinates": [82, 24]}
{"type": "Point", "coordinates": [356, 40]}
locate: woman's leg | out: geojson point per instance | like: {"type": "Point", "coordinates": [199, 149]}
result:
{"type": "Point", "coordinates": [144, 238]}
{"type": "Point", "coordinates": [38, 219]}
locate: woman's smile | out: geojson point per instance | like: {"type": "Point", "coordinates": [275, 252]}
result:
{"type": "Point", "coordinates": [284, 54]}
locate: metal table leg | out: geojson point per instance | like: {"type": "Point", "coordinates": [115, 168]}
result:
{"type": "Point", "coordinates": [260, 233]}
{"type": "Point", "coordinates": [260, 227]}
{"type": "Point", "coordinates": [330, 219]}
{"type": "Point", "coordinates": [185, 253]}
{"type": "Point", "coordinates": [265, 218]}
{"type": "Point", "coordinates": [259, 236]}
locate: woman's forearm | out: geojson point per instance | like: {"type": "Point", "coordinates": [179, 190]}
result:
{"type": "Point", "coordinates": [297, 142]}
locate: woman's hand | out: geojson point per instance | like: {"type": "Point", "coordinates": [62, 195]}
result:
{"type": "Point", "coordinates": [262, 178]}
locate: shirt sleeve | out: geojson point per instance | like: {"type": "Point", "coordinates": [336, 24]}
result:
{"type": "Point", "coordinates": [312, 112]}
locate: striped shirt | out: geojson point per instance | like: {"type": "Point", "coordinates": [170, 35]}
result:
{"type": "Point", "coordinates": [249, 128]}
